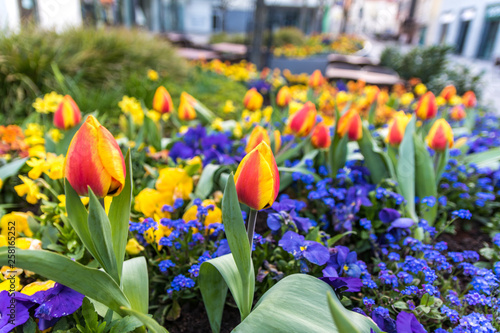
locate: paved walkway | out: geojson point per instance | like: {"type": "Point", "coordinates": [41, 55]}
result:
{"type": "Point", "coordinates": [491, 77]}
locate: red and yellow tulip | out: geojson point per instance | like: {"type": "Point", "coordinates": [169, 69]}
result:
{"type": "Point", "coordinates": [95, 160]}
{"type": "Point", "coordinates": [162, 102]}
{"type": "Point", "coordinates": [458, 113]}
{"type": "Point", "coordinates": [253, 100]}
{"type": "Point", "coordinates": [284, 97]}
{"type": "Point", "coordinates": [186, 107]}
{"type": "Point", "coordinates": [321, 136]}
{"type": "Point", "coordinates": [257, 178]}
{"type": "Point", "coordinates": [397, 128]}
{"type": "Point", "coordinates": [350, 124]}
{"type": "Point", "coordinates": [67, 114]}
{"type": "Point", "coordinates": [316, 79]}
{"type": "Point", "coordinates": [469, 99]}
{"type": "Point", "coordinates": [302, 122]}
{"type": "Point", "coordinates": [440, 136]}
{"type": "Point", "coordinates": [257, 135]}
{"type": "Point", "coordinates": [427, 106]}
{"type": "Point", "coordinates": [448, 92]}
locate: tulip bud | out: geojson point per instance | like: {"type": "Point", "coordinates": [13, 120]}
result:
{"type": "Point", "coordinates": [458, 113]}
{"type": "Point", "coordinates": [186, 109]}
{"type": "Point", "coordinates": [253, 100]}
{"type": "Point", "coordinates": [469, 99]}
{"type": "Point", "coordinates": [397, 128]}
{"type": "Point", "coordinates": [94, 160]}
{"type": "Point", "coordinates": [440, 136]}
{"type": "Point", "coordinates": [67, 114]}
{"type": "Point", "coordinates": [162, 102]}
{"type": "Point", "coordinates": [257, 178]}
{"type": "Point", "coordinates": [284, 97]}
{"type": "Point", "coordinates": [321, 136]}
{"type": "Point", "coordinates": [302, 121]}
{"type": "Point", "coordinates": [427, 106]}
{"type": "Point", "coordinates": [277, 141]}
{"type": "Point", "coordinates": [258, 135]}
{"type": "Point", "coordinates": [316, 79]}
{"type": "Point", "coordinates": [350, 123]}
{"type": "Point", "coordinates": [448, 92]}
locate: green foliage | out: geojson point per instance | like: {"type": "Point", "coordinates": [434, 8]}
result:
{"type": "Point", "coordinates": [288, 35]}
{"type": "Point", "coordinates": [462, 77]}
{"type": "Point", "coordinates": [224, 37]}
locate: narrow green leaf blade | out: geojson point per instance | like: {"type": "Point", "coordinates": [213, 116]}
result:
{"type": "Point", "coordinates": [343, 318]}
{"type": "Point", "coordinates": [91, 282]}
{"type": "Point", "coordinates": [100, 229]}
{"type": "Point", "coordinates": [135, 283]}
{"type": "Point", "coordinates": [425, 182]}
{"type": "Point", "coordinates": [12, 168]}
{"type": "Point", "coordinates": [150, 323]}
{"type": "Point", "coordinates": [78, 218]}
{"type": "Point", "coordinates": [373, 160]}
{"type": "Point", "coordinates": [119, 215]}
{"type": "Point", "coordinates": [238, 243]}
{"type": "Point", "coordinates": [406, 168]}
{"type": "Point", "coordinates": [298, 303]}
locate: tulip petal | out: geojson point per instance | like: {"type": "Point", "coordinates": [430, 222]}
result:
{"type": "Point", "coordinates": [85, 168]}
{"type": "Point", "coordinates": [112, 158]}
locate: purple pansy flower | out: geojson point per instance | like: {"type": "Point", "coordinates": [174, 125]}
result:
{"type": "Point", "coordinates": [342, 262]}
{"type": "Point", "coordinates": [387, 215]}
{"type": "Point", "coordinates": [300, 248]}
{"type": "Point", "coordinates": [407, 323]}
{"type": "Point", "coordinates": [19, 308]}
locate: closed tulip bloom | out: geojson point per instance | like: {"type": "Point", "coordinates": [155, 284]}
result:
{"type": "Point", "coordinates": [94, 160]}
{"type": "Point", "coordinates": [186, 110]}
{"type": "Point", "coordinates": [440, 136]}
{"type": "Point", "coordinates": [67, 114]}
{"type": "Point", "coordinates": [277, 140]}
{"type": "Point", "coordinates": [427, 106]}
{"type": "Point", "coordinates": [257, 178]}
{"type": "Point", "coordinates": [258, 135]}
{"type": "Point", "coordinates": [350, 124]}
{"type": "Point", "coordinates": [253, 100]}
{"type": "Point", "coordinates": [162, 102]}
{"type": "Point", "coordinates": [458, 112]}
{"type": "Point", "coordinates": [321, 136]}
{"type": "Point", "coordinates": [284, 96]}
{"type": "Point", "coordinates": [448, 92]}
{"type": "Point", "coordinates": [302, 122]}
{"type": "Point", "coordinates": [316, 79]}
{"type": "Point", "coordinates": [397, 128]}
{"type": "Point", "coordinates": [469, 99]}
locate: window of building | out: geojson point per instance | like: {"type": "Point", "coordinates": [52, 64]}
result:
{"type": "Point", "coordinates": [490, 31]}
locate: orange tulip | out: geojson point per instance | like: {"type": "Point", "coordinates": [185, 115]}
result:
{"type": "Point", "coordinates": [321, 136]}
{"type": "Point", "coordinates": [458, 112]}
{"type": "Point", "coordinates": [448, 92]}
{"type": "Point", "coordinates": [253, 100]}
{"type": "Point", "coordinates": [277, 140]}
{"type": "Point", "coordinates": [469, 99]}
{"type": "Point", "coordinates": [316, 79]}
{"type": "Point", "coordinates": [350, 124]}
{"type": "Point", "coordinates": [67, 114]}
{"type": "Point", "coordinates": [162, 102]}
{"type": "Point", "coordinates": [397, 128]}
{"type": "Point", "coordinates": [257, 178]}
{"type": "Point", "coordinates": [284, 96]}
{"type": "Point", "coordinates": [427, 106]}
{"type": "Point", "coordinates": [258, 135]}
{"type": "Point", "coordinates": [440, 136]}
{"type": "Point", "coordinates": [94, 160]}
{"type": "Point", "coordinates": [302, 121]}
{"type": "Point", "coordinates": [186, 109]}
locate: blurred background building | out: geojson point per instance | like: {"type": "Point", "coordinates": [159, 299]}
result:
{"type": "Point", "coordinates": [471, 26]}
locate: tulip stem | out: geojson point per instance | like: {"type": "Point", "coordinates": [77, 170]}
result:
{"type": "Point", "coordinates": [252, 219]}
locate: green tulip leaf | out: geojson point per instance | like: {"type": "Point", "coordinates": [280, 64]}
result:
{"type": "Point", "coordinates": [406, 168]}
{"type": "Point", "coordinates": [135, 283]}
{"type": "Point", "coordinates": [12, 168]}
{"type": "Point", "coordinates": [338, 155]}
{"type": "Point", "coordinates": [443, 158]}
{"type": "Point", "coordinates": [483, 159]}
{"type": "Point", "coordinates": [148, 321]}
{"type": "Point", "coordinates": [425, 182]}
{"type": "Point", "coordinates": [298, 303]}
{"type": "Point", "coordinates": [78, 216]}
{"type": "Point", "coordinates": [374, 160]}
{"type": "Point", "coordinates": [119, 215]}
{"type": "Point", "coordinates": [100, 229]}
{"type": "Point", "coordinates": [91, 282]}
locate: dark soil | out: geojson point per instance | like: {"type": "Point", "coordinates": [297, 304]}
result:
{"type": "Point", "coordinates": [194, 319]}
{"type": "Point", "coordinates": [470, 238]}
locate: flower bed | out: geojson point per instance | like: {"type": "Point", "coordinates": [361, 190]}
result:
{"type": "Point", "coordinates": [320, 207]}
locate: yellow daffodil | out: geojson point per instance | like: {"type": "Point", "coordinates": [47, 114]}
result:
{"type": "Point", "coordinates": [30, 189]}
